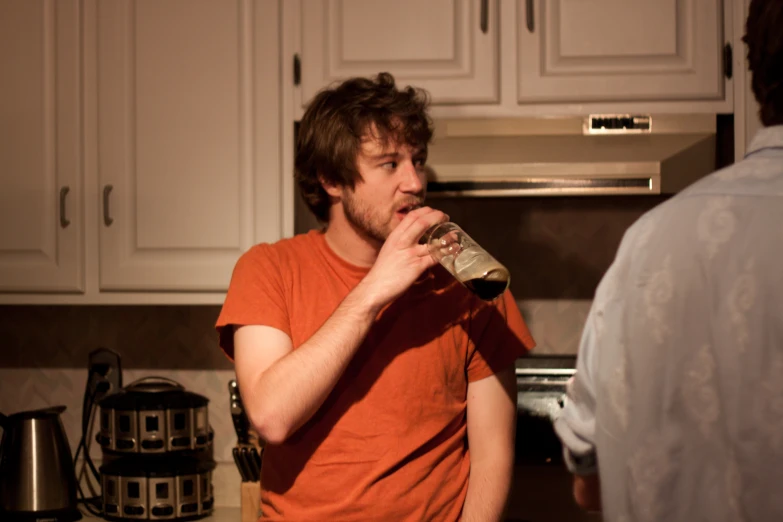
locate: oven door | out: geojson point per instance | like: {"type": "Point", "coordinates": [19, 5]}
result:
{"type": "Point", "coordinates": [542, 487]}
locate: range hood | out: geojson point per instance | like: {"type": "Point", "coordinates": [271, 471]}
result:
{"type": "Point", "coordinates": [592, 155]}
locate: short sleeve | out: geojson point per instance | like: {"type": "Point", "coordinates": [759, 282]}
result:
{"type": "Point", "coordinates": [498, 337]}
{"type": "Point", "coordinates": [255, 296]}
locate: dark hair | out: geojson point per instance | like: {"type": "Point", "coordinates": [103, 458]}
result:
{"type": "Point", "coordinates": [331, 131]}
{"type": "Point", "coordinates": [764, 37]}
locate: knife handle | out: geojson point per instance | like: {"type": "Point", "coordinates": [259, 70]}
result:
{"type": "Point", "coordinates": [238, 415]}
{"type": "Point", "coordinates": [241, 426]}
{"type": "Point", "coordinates": [243, 472]}
{"type": "Point", "coordinates": [252, 463]}
{"type": "Point", "coordinates": [257, 459]}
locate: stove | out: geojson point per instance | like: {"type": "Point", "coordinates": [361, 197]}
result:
{"type": "Point", "coordinates": [542, 487]}
{"type": "Point", "coordinates": [541, 395]}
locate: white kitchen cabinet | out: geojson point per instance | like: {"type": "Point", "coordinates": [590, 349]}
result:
{"type": "Point", "coordinates": [177, 143]}
{"type": "Point", "coordinates": [615, 50]}
{"type": "Point", "coordinates": [537, 58]}
{"type": "Point", "coordinates": [42, 232]}
{"type": "Point", "coordinates": [162, 119]}
{"type": "Point", "coordinates": [448, 47]}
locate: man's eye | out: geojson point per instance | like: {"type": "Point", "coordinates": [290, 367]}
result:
{"type": "Point", "coordinates": [390, 165]}
{"type": "Point", "coordinates": [420, 162]}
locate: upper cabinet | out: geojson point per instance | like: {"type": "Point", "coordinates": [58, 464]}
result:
{"type": "Point", "coordinates": [175, 145]}
{"type": "Point", "coordinates": [42, 232]}
{"type": "Point", "coordinates": [140, 147]}
{"type": "Point", "coordinates": [448, 47]}
{"type": "Point", "coordinates": [511, 58]}
{"type": "Point", "coordinates": [615, 50]}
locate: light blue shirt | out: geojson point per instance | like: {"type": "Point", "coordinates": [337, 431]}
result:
{"type": "Point", "coordinates": [679, 384]}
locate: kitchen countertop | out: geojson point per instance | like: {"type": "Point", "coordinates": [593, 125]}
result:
{"type": "Point", "coordinates": [220, 514]}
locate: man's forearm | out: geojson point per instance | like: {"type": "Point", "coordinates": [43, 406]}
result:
{"type": "Point", "coordinates": [296, 385]}
{"type": "Point", "coordinates": [488, 489]}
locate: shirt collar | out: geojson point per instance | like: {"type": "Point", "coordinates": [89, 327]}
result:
{"type": "Point", "coordinates": [767, 137]}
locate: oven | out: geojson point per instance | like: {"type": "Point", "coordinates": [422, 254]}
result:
{"type": "Point", "coordinates": [542, 487]}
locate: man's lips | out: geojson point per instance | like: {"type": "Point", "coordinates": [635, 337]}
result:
{"type": "Point", "coordinates": [404, 210]}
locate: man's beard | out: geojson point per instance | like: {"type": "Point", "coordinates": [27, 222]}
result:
{"type": "Point", "coordinates": [362, 218]}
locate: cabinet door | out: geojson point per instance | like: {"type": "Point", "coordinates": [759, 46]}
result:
{"type": "Point", "coordinates": [613, 50]}
{"type": "Point", "coordinates": [42, 232]}
{"type": "Point", "coordinates": [449, 47]}
{"type": "Point", "coordinates": [176, 141]}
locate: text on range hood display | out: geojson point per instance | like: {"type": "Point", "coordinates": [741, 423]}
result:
{"type": "Point", "coordinates": [560, 157]}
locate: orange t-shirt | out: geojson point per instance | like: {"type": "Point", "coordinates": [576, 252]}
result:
{"type": "Point", "coordinates": [389, 442]}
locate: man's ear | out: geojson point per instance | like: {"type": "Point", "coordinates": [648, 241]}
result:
{"type": "Point", "coordinates": [333, 190]}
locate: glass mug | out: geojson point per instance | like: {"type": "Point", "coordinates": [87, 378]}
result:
{"type": "Point", "coordinates": [470, 264]}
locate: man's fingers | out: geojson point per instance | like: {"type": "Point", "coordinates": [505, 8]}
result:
{"type": "Point", "coordinates": [419, 225]}
{"type": "Point", "coordinates": [421, 250]}
{"type": "Point", "coordinates": [409, 219]}
{"type": "Point", "coordinates": [423, 253]}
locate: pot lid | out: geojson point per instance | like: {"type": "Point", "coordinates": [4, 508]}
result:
{"type": "Point", "coordinates": [153, 393]}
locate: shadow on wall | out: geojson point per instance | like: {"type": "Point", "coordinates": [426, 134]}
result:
{"type": "Point", "coordinates": [555, 248]}
{"type": "Point", "coordinates": [149, 337]}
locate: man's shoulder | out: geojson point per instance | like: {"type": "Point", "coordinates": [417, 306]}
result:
{"type": "Point", "coordinates": [753, 177]}
{"type": "Point", "coordinates": [289, 247]}
{"type": "Point", "coordinates": [757, 175]}
{"type": "Point", "coordinates": [279, 257]}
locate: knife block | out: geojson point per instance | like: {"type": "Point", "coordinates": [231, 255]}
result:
{"type": "Point", "coordinates": [250, 497]}
{"type": "Point", "coordinates": [251, 501]}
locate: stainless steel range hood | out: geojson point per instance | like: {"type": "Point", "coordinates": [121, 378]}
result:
{"type": "Point", "coordinates": [594, 155]}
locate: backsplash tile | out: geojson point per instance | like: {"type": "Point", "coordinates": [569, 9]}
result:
{"type": "Point", "coordinates": [178, 337]}
{"type": "Point", "coordinates": [556, 325]}
{"type": "Point", "coordinates": [555, 248]}
{"type": "Point", "coordinates": [34, 388]}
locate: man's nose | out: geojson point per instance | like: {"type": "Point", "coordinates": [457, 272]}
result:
{"type": "Point", "coordinates": [413, 181]}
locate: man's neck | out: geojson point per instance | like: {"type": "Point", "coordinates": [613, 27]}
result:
{"type": "Point", "coordinates": [349, 244]}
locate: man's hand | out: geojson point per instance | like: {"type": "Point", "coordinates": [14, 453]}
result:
{"type": "Point", "coordinates": [402, 259]}
{"type": "Point", "coordinates": [587, 492]}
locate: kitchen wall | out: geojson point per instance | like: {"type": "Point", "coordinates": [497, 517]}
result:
{"type": "Point", "coordinates": [43, 362]}
{"type": "Point", "coordinates": [556, 249]}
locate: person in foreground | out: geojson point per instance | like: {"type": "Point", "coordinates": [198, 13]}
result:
{"type": "Point", "coordinates": [383, 388]}
{"type": "Point", "coordinates": [677, 403]}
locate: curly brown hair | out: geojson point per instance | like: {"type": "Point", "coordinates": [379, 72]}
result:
{"type": "Point", "coordinates": [764, 38]}
{"type": "Point", "coordinates": [337, 119]}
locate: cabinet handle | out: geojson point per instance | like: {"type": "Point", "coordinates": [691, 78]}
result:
{"type": "Point", "coordinates": [64, 221]}
{"type": "Point", "coordinates": [484, 16]}
{"type": "Point", "coordinates": [529, 15]}
{"type": "Point", "coordinates": [107, 219]}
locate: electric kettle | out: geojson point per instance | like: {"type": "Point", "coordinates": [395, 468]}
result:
{"type": "Point", "coordinates": [37, 477]}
